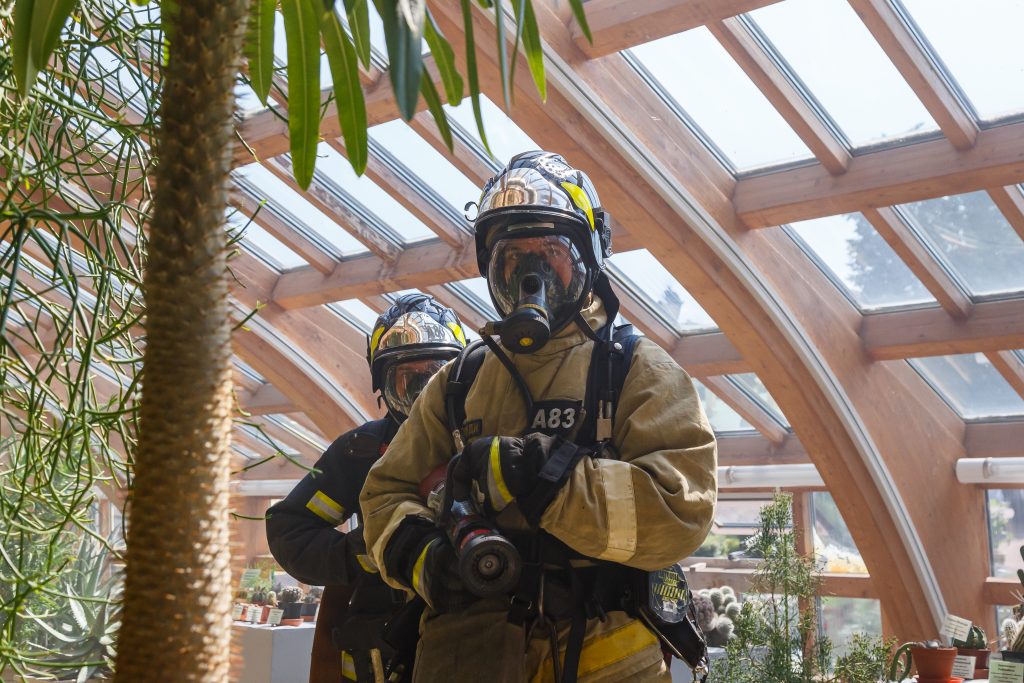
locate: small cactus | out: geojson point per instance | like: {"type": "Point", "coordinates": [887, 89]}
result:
{"type": "Point", "coordinates": [727, 599]}
{"type": "Point", "coordinates": [716, 598]}
{"type": "Point", "coordinates": [727, 590]}
{"type": "Point", "coordinates": [705, 612]}
{"type": "Point", "coordinates": [732, 610]}
{"type": "Point", "coordinates": [724, 627]}
{"type": "Point", "coordinates": [272, 598]}
{"type": "Point", "coordinates": [1009, 630]}
{"type": "Point", "coordinates": [1017, 644]}
{"type": "Point", "coordinates": [291, 595]}
{"type": "Point", "coordinates": [976, 640]}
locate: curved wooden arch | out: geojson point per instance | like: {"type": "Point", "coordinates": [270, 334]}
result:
{"type": "Point", "coordinates": [786, 319]}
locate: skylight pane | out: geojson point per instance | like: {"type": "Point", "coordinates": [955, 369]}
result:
{"type": "Point", "coordinates": [426, 162]}
{"type": "Point", "coordinates": [973, 238]}
{"type": "Point", "coordinates": [980, 43]}
{"type": "Point", "coordinates": [711, 88]}
{"type": "Point", "coordinates": [356, 313]}
{"type": "Point", "coordinates": [853, 252]}
{"type": "Point", "coordinates": [504, 136]}
{"type": "Point", "coordinates": [970, 385]}
{"type": "Point", "coordinates": [278, 194]}
{"type": "Point", "coordinates": [335, 172]}
{"type": "Point", "coordinates": [720, 415]}
{"type": "Point", "coordinates": [753, 386]}
{"type": "Point", "coordinates": [270, 247]}
{"type": "Point", "coordinates": [845, 68]}
{"type": "Point", "coordinates": [642, 271]}
{"type": "Point", "coordinates": [477, 287]}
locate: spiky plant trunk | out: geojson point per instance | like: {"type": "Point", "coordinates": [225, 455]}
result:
{"type": "Point", "coordinates": [176, 612]}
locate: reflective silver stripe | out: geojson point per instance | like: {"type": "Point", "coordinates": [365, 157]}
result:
{"type": "Point", "coordinates": [324, 507]}
{"type": "Point", "coordinates": [620, 506]}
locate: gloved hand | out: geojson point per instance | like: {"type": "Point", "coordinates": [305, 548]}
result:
{"type": "Point", "coordinates": [421, 556]}
{"type": "Point", "coordinates": [506, 468]}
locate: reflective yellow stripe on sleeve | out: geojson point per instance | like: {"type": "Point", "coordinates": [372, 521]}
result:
{"type": "Point", "coordinates": [367, 565]}
{"type": "Point", "coordinates": [620, 506]}
{"type": "Point", "coordinates": [417, 569]}
{"type": "Point", "coordinates": [325, 508]}
{"type": "Point", "coordinates": [605, 649]}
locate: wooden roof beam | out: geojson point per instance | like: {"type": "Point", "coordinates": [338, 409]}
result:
{"type": "Point", "coordinates": [418, 266]}
{"type": "Point", "coordinates": [704, 355]}
{"type": "Point", "coordinates": [991, 326]}
{"type": "Point", "coordinates": [909, 248]}
{"type": "Point", "coordinates": [740, 450]}
{"type": "Point", "coordinates": [993, 439]}
{"type": "Point", "coordinates": [287, 234]}
{"type": "Point", "coordinates": [266, 400]}
{"type": "Point", "coordinates": [920, 72]}
{"type": "Point", "coordinates": [621, 24]}
{"type": "Point", "coordinates": [1010, 201]}
{"type": "Point", "coordinates": [922, 170]}
{"type": "Point", "coordinates": [778, 89]}
{"type": "Point", "coordinates": [749, 409]}
{"type": "Point", "coordinates": [1010, 367]}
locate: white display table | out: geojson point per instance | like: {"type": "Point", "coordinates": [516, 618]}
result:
{"type": "Point", "coordinates": [274, 654]}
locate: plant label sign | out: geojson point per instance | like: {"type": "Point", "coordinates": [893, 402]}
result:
{"type": "Point", "coordinates": [1005, 672]}
{"type": "Point", "coordinates": [253, 613]}
{"type": "Point", "coordinates": [274, 619]}
{"type": "Point", "coordinates": [955, 627]}
{"type": "Point", "coordinates": [963, 667]}
{"type": "Point", "coordinates": [236, 611]}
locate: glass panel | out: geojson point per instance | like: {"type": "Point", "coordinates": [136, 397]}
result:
{"type": "Point", "coordinates": [287, 203]}
{"type": "Point", "coordinates": [641, 271]}
{"type": "Point", "coordinates": [475, 291]}
{"type": "Point", "coordinates": [356, 313]}
{"type": "Point", "coordinates": [970, 233]}
{"type": "Point", "coordinates": [970, 385]}
{"type": "Point", "coordinates": [980, 45]}
{"type": "Point", "coordinates": [720, 415]}
{"type": "Point", "coordinates": [270, 248]}
{"type": "Point", "coordinates": [735, 521]}
{"type": "Point", "coordinates": [752, 384]}
{"type": "Point", "coordinates": [833, 544]}
{"type": "Point", "coordinates": [505, 137]}
{"type": "Point", "coordinates": [334, 173]}
{"type": "Point", "coordinates": [1006, 529]}
{"type": "Point", "coordinates": [427, 163]}
{"type": "Point", "coordinates": [711, 88]}
{"type": "Point", "coordinates": [842, 618]}
{"type": "Point", "coordinates": [845, 68]}
{"type": "Point", "coordinates": [855, 254]}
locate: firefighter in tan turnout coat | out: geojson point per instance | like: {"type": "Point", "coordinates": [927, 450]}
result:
{"type": "Point", "coordinates": [590, 481]}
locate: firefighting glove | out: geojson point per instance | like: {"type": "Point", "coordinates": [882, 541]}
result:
{"type": "Point", "coordinates": [420, 556]}
{"type": "Point", "coordinates": [357, 561]}
{"type": "Point", "coordinates": [508, 468]}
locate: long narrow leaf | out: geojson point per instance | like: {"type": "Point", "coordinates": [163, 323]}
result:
{"type": "Point", "coordinates": [302, 30]}
{"type": "Point", "coordinates": [471, 73]}
{"type": "Point", "coordinates": [48, 18]}
{"type": "Point", "coordinates": [444, 58]}
{"type": "Point", "coordinates": [21, 45]}
{"type": "Point", "coordinates": [533, 50]}
{"type": "Point", "coordinates": [433, 100]}
{"type": "Point", "coordinates": [518, 7]}
{"type": "Point", "coordinates": [405, 63]}
{"type": "Point", "coordinates": [581, 18]}
{"type": "Point", "coordinates": [259, 47]}
{"type": "Point", "coordinates": [499, 16]}
{"type": "Point", "coordinates": [348, 94]}
{"type": "Point", "coordinates": [358, 13]}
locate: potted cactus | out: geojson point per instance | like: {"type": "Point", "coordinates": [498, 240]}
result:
{"type": "Point", "coordinates": [1013, 636]}
{"type": "Point", "coordinates": [291, 603]}
{"type": "Point", "coordinates": [933, 661]}
{"type": "Point", "coordinates": [717, 609]}
{"type": "Point", "coordinates": [269, 603]}
{"type": "Point", "coordinates": [311, 602]}
{"type": "Point", "coordinates": [975, 645]}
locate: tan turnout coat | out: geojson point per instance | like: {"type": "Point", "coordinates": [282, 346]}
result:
{"type": "Point", "coordinates": [650, 508]}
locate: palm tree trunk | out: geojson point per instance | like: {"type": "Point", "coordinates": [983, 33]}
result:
{"type": "Point", "coordinates": [177, 595]}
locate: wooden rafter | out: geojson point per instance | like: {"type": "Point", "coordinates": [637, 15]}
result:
{"type": "Point", "coordinates": [776, 86]}
{"type": "Point", "coordinates": [756, 449]}
{"type": "Point", "coordinates": [918, 70]}
{"type": "Point", "coordinates": [994, 439]}
{"type": "Point", "coordinates": [267, 399]}
{"type": "Point", "coordinates": [991, 326]}
{"type": "Point", "coordinates": [1010, 201]}
{"type": "Point", "coordinates": [1010, 367]}
{"type": "Point", "coordinates": [285, 233]}
{"type": "Point", "coordinates": [908, 247]}
{"type": "Point", "coordinates": [749, 409]}
{"type": "Point", "coordinates": [709, 354]}
{"type": "Point", "coordinates": [922, 170]}
{"type": "Point", "coordinates": [621, 24]}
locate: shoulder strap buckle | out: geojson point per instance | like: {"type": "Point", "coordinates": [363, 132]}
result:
{"type": "Point", "coordinates": [605, 411]}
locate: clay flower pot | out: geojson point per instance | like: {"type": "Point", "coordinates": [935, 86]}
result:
{"type": "Point", "coordinates": [933, 663]}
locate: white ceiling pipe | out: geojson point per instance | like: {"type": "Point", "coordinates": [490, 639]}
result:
{"type": "Point", "coordinates": [270, 488]}
{"type": "Point", "coordinates": [769, 476]}
{"type": "Point", "coordinates": [990, 470]}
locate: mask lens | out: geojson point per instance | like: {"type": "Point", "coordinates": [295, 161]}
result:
{"type": "Point", "coordinates": [552, 258]}
{"type": "Point", "coordinates": [403, 382]}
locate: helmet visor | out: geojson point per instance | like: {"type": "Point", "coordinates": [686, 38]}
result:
{"type": "Point", "coordinates": [404, 381]}
{"type": "Point", "coordinates": [554, 259]}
